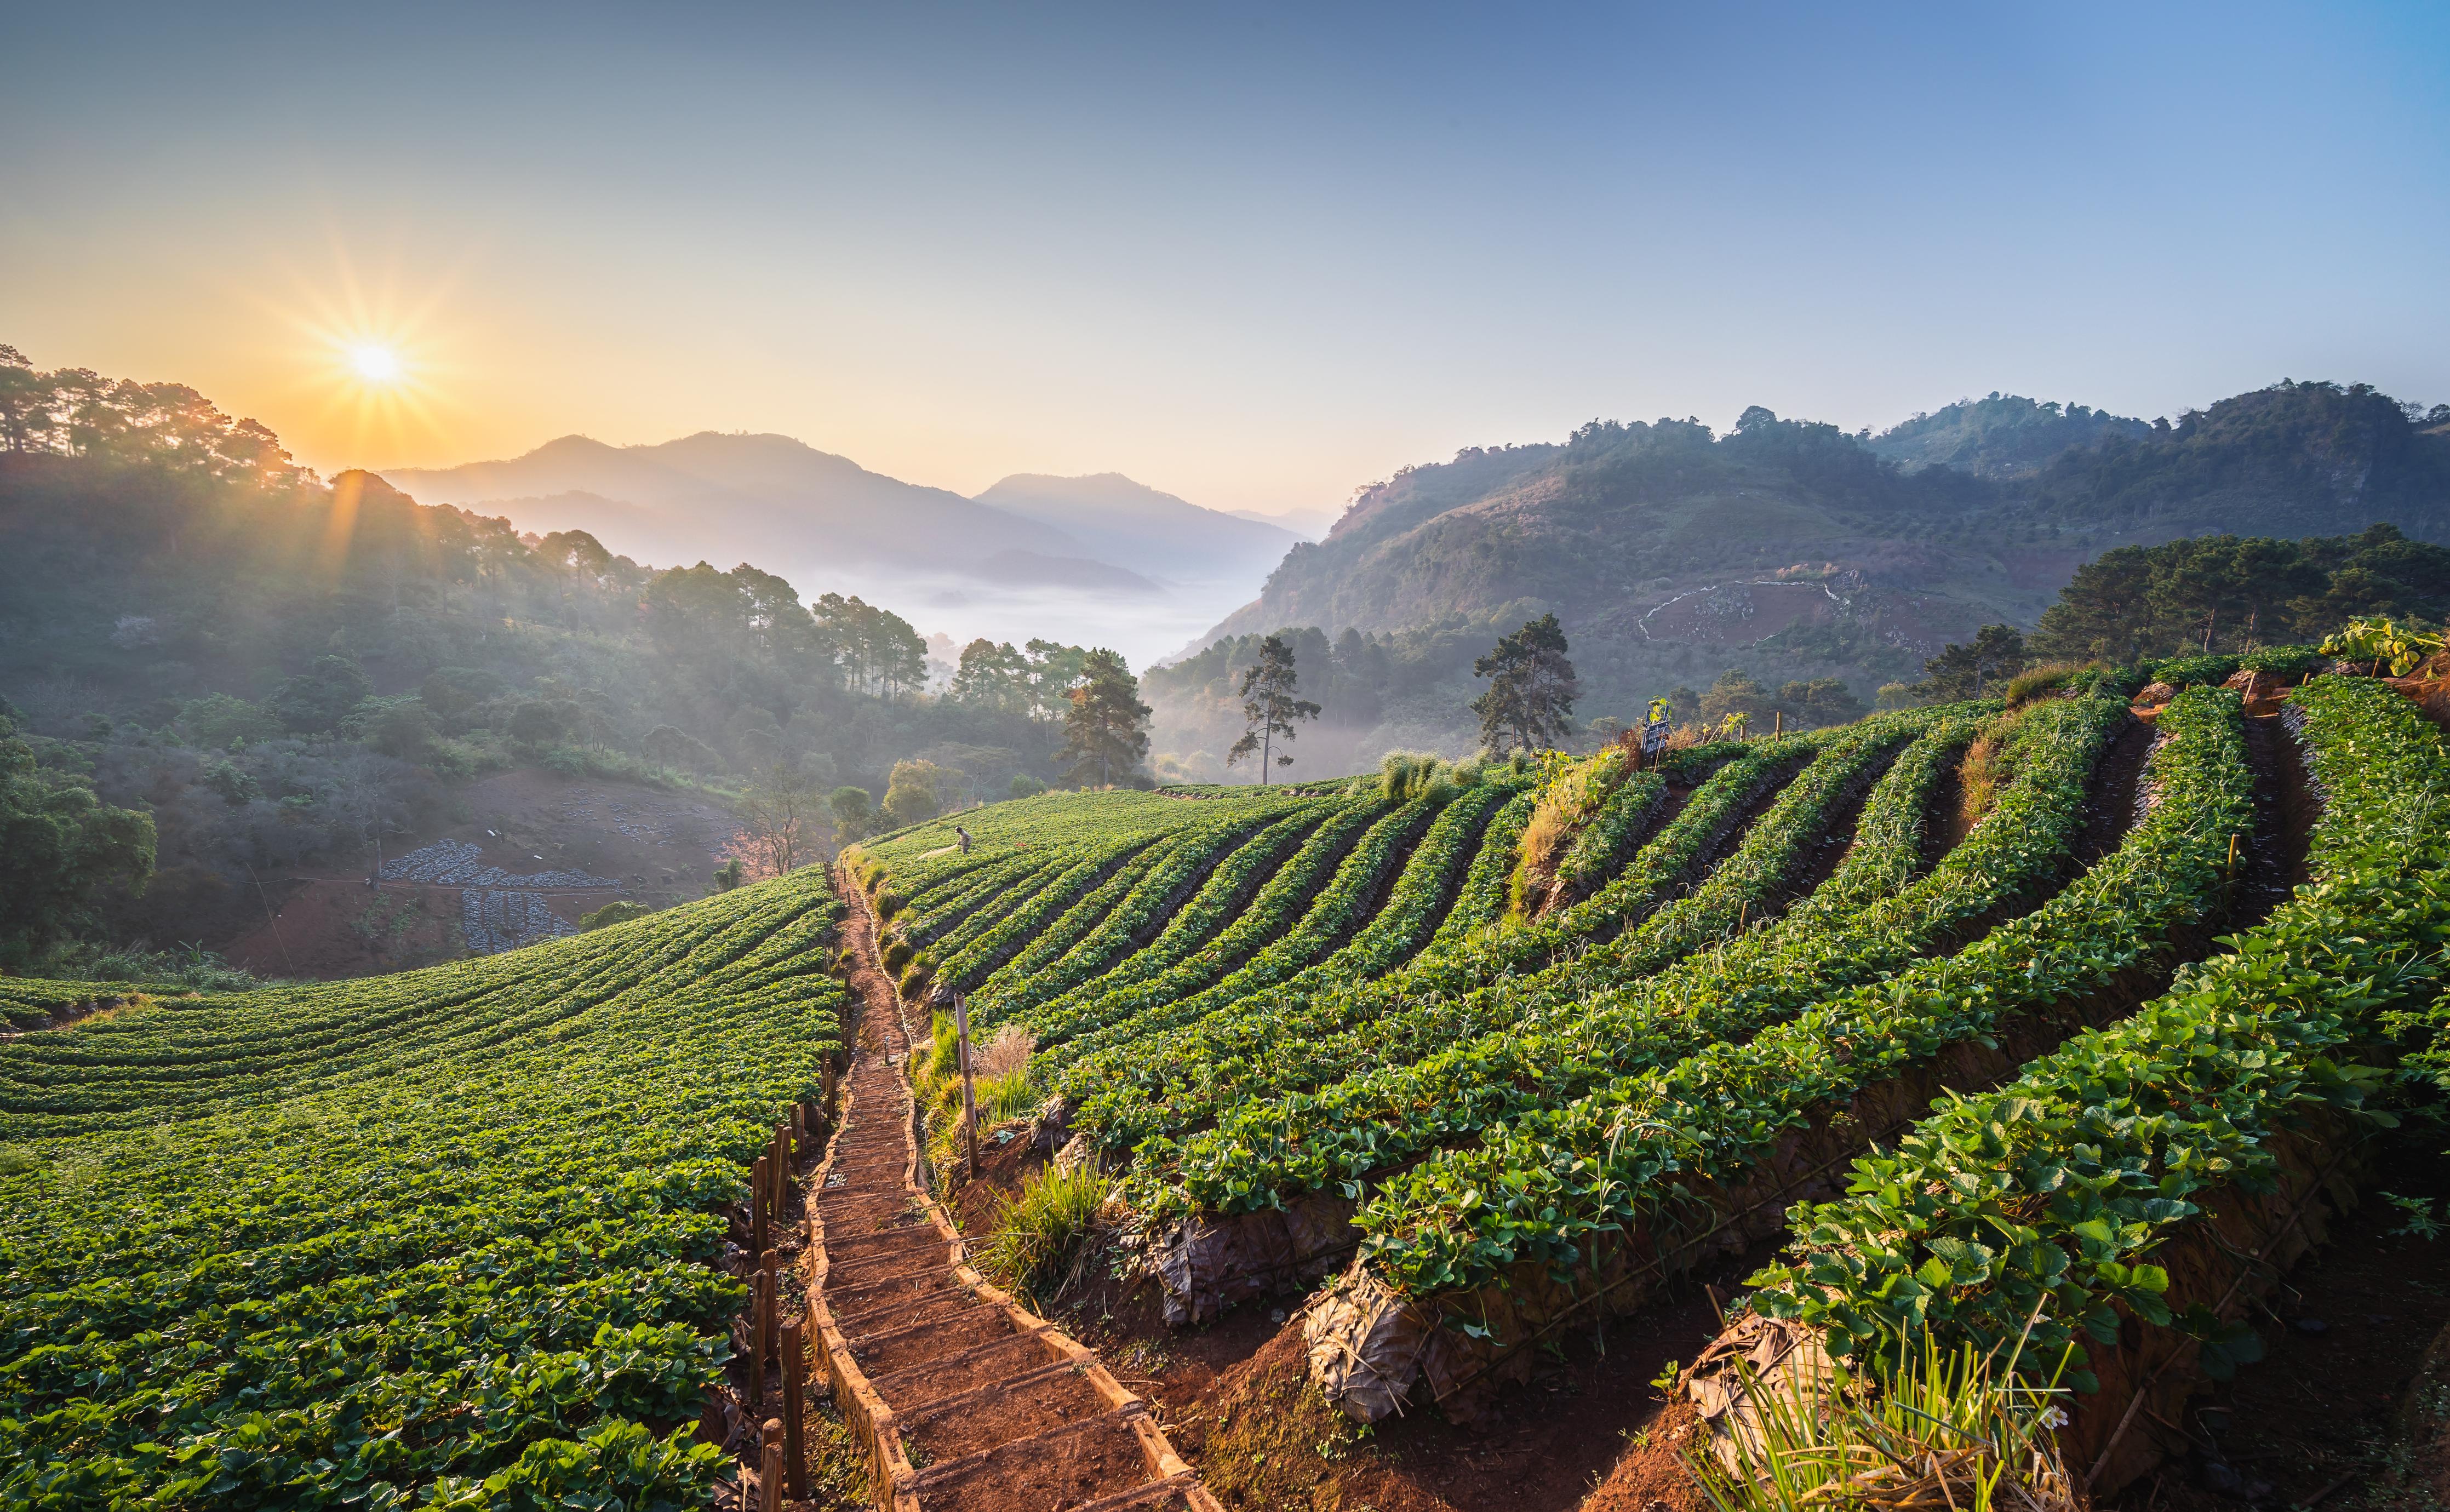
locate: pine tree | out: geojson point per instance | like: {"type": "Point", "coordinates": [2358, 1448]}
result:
{"type": "Point", "coordinates": [1962, 670]}
{"type": "Point", "coordinates": [1531, 699]}
{"type": "Point", "coordinates": [1104, 731]}
{"type": "Point", "coordinates": [1269, 706]}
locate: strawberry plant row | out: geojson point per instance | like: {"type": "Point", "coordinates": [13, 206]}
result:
{"type": "Point", "coordinates": [1174, 1087]}
{"type": "Point", "coordinates": [1133, 920]}
{"type": "Point", "coordinates": [1582, 1207]}
{"type": "Point", "coordinates": [1246, 928]}
{"type": "Point", "coordinates": [241, 1056]}
{"type": "Point", "coordinates": [1411, 912]}
{"type": "Point", "coordinates": [1041, 914]}
{"type": "Point", "coordinates": [481, 1278]}
{"type": "Point", "coordinates": [1317, 922]}
{"type": "Point", "coordinates": [1457, 1067]}
{"type": "Point", "coordinates": [1191, 927]}
{"type": "Point", "coordinates": [2049, 1198]}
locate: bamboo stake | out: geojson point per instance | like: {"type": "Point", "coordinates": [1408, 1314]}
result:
{"type": "Point", "coordinates": [969, 1093]}
{"type": "Point", "coordinates": [769, 1283]}
{"type": "Point", "coordinates": [758, 1182]}
{"type": "Point", "coordinates": [769, 1472]}
{"type": "Point", "coordinates": [794, 1455]}
{"type": "Point", "coordinates": [761, 1318]}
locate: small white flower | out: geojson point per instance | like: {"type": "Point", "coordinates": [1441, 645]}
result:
{"type": "Point", "coordinates": [2054, 1418]}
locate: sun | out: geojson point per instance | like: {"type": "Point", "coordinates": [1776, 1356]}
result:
{"type": "Point", "coordinates": [375, 364]}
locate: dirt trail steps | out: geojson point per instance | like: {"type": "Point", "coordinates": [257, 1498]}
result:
{"type": "Point", "coordinates": [965, 1399]}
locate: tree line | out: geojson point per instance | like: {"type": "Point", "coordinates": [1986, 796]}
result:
{"type": "Point", "coordinates": [2204, 594]}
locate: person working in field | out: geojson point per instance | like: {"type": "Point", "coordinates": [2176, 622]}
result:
{"type": "Point", "coordinates": [966, 839]}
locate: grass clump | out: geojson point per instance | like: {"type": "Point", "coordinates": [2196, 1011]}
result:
{"type": "Point", "coordinates": [1042, 1235]}
{"type": "Point", "coordinates": [1930, 1429]}
{"type": "Point", "coordinates": [2034, 681]}
{"type": "Point", "coordinates": [1407, 774]}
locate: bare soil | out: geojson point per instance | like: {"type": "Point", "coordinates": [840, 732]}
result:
{"type": "Point", "coordinates": [328, 923]}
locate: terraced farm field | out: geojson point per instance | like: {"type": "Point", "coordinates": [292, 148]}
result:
{"type": "Point", "coordinates": [2066, 1020]}
{"type": "Point", "coordinates": [468, 1237]}
{"type": "Point", "coordinates": [2012, 1021]}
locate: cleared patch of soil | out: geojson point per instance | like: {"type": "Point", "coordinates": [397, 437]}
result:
{"type": "Point", "coordinates": [327, 922]}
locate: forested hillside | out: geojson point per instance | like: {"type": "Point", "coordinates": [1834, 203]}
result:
{"type": "Point", "coordinates": [1795, 550]}
{"type": "Point", "coordinates": [273, 669]}
{"type": "Point", "coordinates": [2001, 436]}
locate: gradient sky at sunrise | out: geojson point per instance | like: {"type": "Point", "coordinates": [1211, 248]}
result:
{"type": "Point", "coordinates": [1255, 257]}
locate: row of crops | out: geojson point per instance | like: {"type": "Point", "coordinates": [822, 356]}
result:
{"type": "Point", "coordinates": [446, 1239]}
{"type": "Point", "coordinates": [1508, 1045]}
{"type": "Point", "coordinates": [1515, 1047]}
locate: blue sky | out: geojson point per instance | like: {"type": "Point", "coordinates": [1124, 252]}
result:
{"type": "Point", "coordinates": [1256, 258]}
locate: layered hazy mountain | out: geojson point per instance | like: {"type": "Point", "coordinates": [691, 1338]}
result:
{"type": "Point", "coordinates": [718, 497]}
{"type": "Point", "coordinates": [1135, 525]}
{"type": "Point", "coordinates": [1099, 560]}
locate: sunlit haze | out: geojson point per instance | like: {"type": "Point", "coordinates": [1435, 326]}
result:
{"type": "Point", "coordinates": [1255, 259]}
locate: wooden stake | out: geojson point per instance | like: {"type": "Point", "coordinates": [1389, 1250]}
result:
{"type": "Point", "coordinates": [769, 1283]}
{"type": "Point", "coordinates": [1777, 721]}
{"type": "Point", "coordinates": [794, 1455]}
{"type": "Point", "coordinates": [758, 1182]}
{"type": "Point", "coordinates": [760, 1319]}
{"type": "Point", "coordinates": [969, 1093]}
{"type": "Point", "coordinates": [769, 1472]}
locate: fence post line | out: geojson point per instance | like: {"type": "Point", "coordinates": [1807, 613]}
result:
{"type": "Point", "coordinates": [768, 1268]}
{"type": "Point", "coordinates": [969, 1093]}
{"type": "Point", "coordinates": [794, 1440]}
{"type": "Point", "coordinates": [770, 1469]}
{"type": "Point", "coordinates": [761, 1318]}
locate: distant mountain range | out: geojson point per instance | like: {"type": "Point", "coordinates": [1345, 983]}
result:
{"type": "Point", "coordinates": [1797, 549]}
{"type": "Point", "coordinates": [770, 498]}
{"type": "Point", "coordinates": [1133, 525]}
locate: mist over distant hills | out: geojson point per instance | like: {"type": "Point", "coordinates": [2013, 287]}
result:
{"type": "Point", "coordinates": [1134, 524]}
{"type": "Point", "coordinates": [728, 494]}
{"type": "Point", "coordinates": [1102, 560]}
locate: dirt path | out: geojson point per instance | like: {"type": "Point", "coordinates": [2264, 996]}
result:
{"type": "Point", "coordinates": [966, 1399]}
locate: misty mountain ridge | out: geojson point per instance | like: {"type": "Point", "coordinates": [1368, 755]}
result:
{"type": "Point", "coordinates": [1133, 524]}
{"type": "Point", "coordinates": [748, 498]}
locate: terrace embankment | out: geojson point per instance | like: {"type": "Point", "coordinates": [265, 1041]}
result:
{"type": "Point", "coordinates": [963, 1397]}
